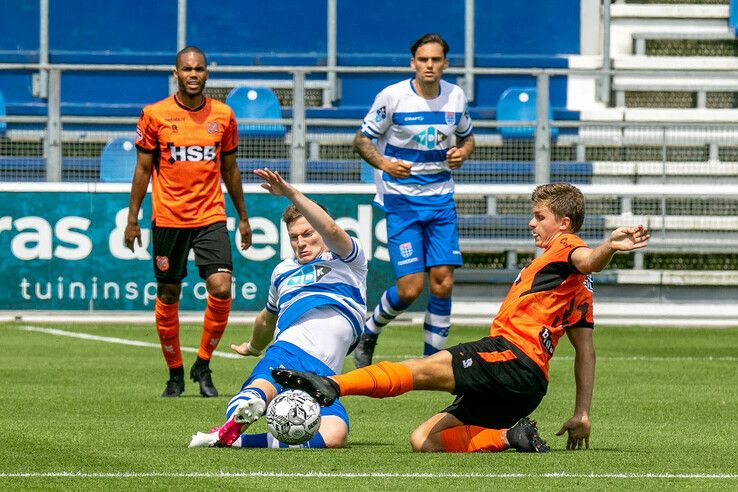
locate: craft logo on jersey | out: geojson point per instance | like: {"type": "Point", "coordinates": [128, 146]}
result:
{"type": "Point", "coordinates": [193, 153]}
{"type": "Point", "coordinates": [406, 250]}
{"type": "Point", "coordinates": [309, 274]}
{"type": "Point", "coordinates": [429, 137]}
{"type": "Point", "coordinates": [213, 127]}
{"type": "Point", "coordinates": [450, 118]}
{"type": "Point", "coordinates": [381, 114]}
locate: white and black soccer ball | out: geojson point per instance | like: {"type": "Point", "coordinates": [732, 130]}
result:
{"type": "Point", "coordinates": [293, 417]}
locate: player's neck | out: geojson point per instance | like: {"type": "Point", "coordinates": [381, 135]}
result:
{"type": "Point", "coordinates": [191, 102]}
{"type": "Point", "coordinates": [426, 91]}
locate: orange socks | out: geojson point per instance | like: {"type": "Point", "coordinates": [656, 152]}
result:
{"type": "Point", "coordinates": [470, 438]}
{"type": "Point", "coordinates": [377, 381]}
{"type": "Point", "coordinates": [216, 319]}
{"type": "Point", "coordinates": [167, 326]}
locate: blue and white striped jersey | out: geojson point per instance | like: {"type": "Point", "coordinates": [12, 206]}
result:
{"type": "Point", "coordinates": [416, 130]}
{"type": "Point", "coordinates": [327, 281]}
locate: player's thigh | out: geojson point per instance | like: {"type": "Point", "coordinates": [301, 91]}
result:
{"type": "Point", "coordinates": [405, 243]}
{"type": "Point", "coordinates": [213, 250]}
{"type": "Point", "coordinates": [171, 247]}
{"type": "Point", "coordinates": [441, 238]}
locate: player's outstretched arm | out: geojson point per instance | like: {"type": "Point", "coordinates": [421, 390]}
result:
{"type": "Point", "coordinates": [578, 426]}
{"type": "Point", "coordinates": [261, 336]}
{"type": "Point", "coordinates": [588, 260]}
{"type": "Point", "coordinates": [141, 177]}
{"type": "Point", "coordinates": [334, 237]}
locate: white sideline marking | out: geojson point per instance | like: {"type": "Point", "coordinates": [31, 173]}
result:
{"type": "Point", "coordinates": [228, 355]}
{"type": "Point", "coordinates": [686, 476]}
{"type": "Point", "coordinates": [121, 341]}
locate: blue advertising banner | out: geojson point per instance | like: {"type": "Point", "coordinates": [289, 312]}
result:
{"type": "Point", "coordinates": [64, 251]}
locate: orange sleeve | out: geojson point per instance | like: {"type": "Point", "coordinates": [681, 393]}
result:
{"type": "Point", "coordinates": [146, 134]}
{"type": "Point", "coordinates": [229, 143]}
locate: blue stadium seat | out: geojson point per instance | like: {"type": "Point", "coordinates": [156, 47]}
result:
{"type": "Point", "coordinates": [519, 104]}
{"type": "Point", "coordinates": [3, 123]}
{"type": "Point", "coordinates": [256, 103]}
{"type": "Point", "coordinates": [118, 160]}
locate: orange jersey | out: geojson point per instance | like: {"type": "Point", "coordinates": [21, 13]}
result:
{"type": "Point", "coordinates": [187, 145]}
{"type": "Point", "coordinates": [548, 296]}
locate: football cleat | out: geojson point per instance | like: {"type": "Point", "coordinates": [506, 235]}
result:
{"type": "Point", "coordinates": [201, 375]}
{"type": "Point", "coordinates": [174, 388]}
{"type": "Point", "coordinates": [364, 351]}
{"type": "Point", "coordinates": [523, 437]}
{"type": "Point", "coordinates": [245, 414]}
{"type": "Point", "coordinates": [323, 390]}
{"type": "Point", "coordinates": [205, 440]}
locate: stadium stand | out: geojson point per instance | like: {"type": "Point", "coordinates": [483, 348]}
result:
{"type": "Point", "coordinates": [118, 161]}
{"type": "Point", "coordinates": [255, 103]}
{"type": "Point", "coordinates": [3, 114]}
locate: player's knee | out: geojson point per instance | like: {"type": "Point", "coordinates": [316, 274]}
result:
{"type": "Point", "coordinates": [168, 293]}
{"type": "Point", "coordinates": [219, 288]}
{"type": "Point", "coordinates": [408, 293]}
{"type": "Point", "coordinates": [335, 434]}
{"type": "Point", "coordinates": [420, 442]}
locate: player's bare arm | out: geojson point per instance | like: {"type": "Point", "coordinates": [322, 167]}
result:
{"type": "Point", "coordinates": [455, 156]}
{"type": "Point", "coordinates": [578, 426]}
{"type": "Point", "coordinates": [262, 335]}
{"type": "Point", "coordinates": [587, 260]}
{"type": "Point", "coordinates": [368, 151]}
{"type": "Point", "coordinates": [232, 179]}
{"type": "Point", "coordinates": [334, 237]}
{"type": "Point", "coordinates": [141, 177]}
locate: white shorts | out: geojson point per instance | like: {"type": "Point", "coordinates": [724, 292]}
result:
{"type": "Point", "coordinates": [323, 333]}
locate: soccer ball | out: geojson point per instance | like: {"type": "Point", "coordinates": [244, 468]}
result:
{"type": "Point", "coordinates": [293, 417]}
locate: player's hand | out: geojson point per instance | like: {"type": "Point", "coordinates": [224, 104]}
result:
{"type": "Point", "coordinates": [578, 429]}
{"type": "Point", "coordinates": [629, 238]}
{"type": "Point", "coordinates": [274, 183]}
{"type": "Point", "coordinates": [244, 228]}
{"type": "Point", "coordinates": [397, 169]}
{"type": "Point", "coordinates": [132, 235]}
{"type": "Point", "coordinates": [455, 157]}
{"type": "Point", "coordinates": [245, 349]}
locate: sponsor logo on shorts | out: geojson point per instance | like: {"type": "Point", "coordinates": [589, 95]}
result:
{"type": "Point", "coordinates": [467, 363]}
{"type": "Point", "coordinates": [408, 261]}
{"type": "Point", "coordinates": [406, 250]}
{"type": "Point", "coordinates": [162, 263]}
{"type": "Point", "coordinates": [224, 270]}
{"type": "Point", "coordinates": [588, 283]}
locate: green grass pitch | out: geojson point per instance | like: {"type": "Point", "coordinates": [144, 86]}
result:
{"type": "Point", "coordinates": [81, 414]}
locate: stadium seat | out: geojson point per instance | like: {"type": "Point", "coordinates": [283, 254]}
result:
{"type": "Point", "coordinates": [118, 160]}
{"type": "Point", "coordinates": [256, 103]}
{"type": "Point", "coordinates": [3, 123]}
{"type": "Point", "coordinates": [519, 104]}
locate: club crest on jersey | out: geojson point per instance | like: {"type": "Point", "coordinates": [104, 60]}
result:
{"type": "Point", "coordinates": [309, 274]}
{"type": "Point", "coordinates": [193, 153]}
{"type": "Point", "coordinates": [429, 138]}
{"type": "Point", "coordinates": [450, 118]}
{"type": "Point", "coordinates": [175, 129]}
{"type": "Point", "coordinates": [381, 114]}
{"type": "Point", "coordinates": [162, 263]}
{"type": "Point", "coordinates": [213, 127]}
{"type": "Point", "coordinates": [406, 250]}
